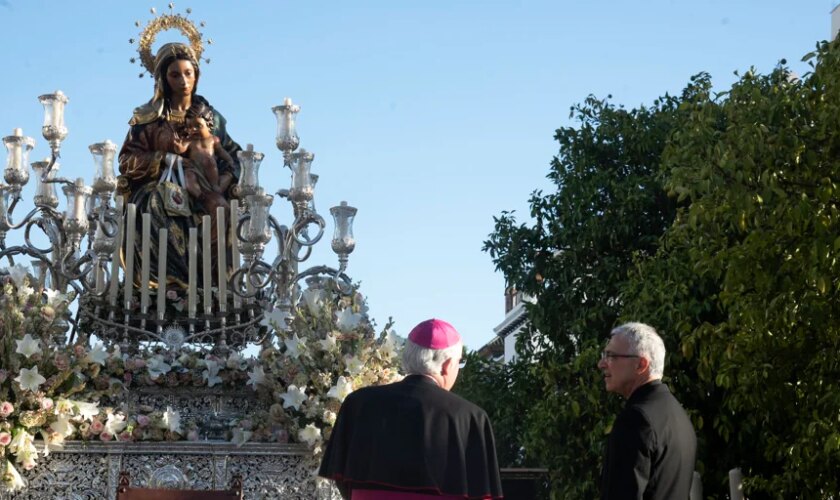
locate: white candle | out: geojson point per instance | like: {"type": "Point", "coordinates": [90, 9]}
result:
{"type": "Point", "coordinates": [191, 294]}
{"type": "Point", "coordinates": [220, 231]}
{"type": "Point", "coordinates": [130, 230]}
{"type": "Point", "coordinates": [234, 240]}
{"type": "Point", "coordinates": [163, 238]}
{"type": "Point", "coordinates": [145, 267]}
{"type": "Point", "coordinates": [58, 114]}
{"type": "Point", "coordinates": [115, 258]}
{"type": "Point", "coordinates": [206, 258]}
{"type": "Point", "coordinates": [17, 152]}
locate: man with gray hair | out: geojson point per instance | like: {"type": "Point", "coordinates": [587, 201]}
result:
{"type": "Point", "coordinates": [414, 439]}
{"type": "Point", "coordinates": [651, 450]}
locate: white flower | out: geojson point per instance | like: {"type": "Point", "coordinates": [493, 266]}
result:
{"type": "Point", "coordinates": [28, 346]}
{"type": "Point", "coordinates": [240, 436]}
{"type": "Point", "coordinates": [172, 420]}
{"type": "Point", "coordinates": [211, 374]}
{"type": "Point", "coordinates": [310, 435]}
{"type": "Point", "coordinates": [277, 319]}
{"type": "Point", "coordinates": [87, 410]}
{"type": "Point", "coordinates": [341, 389]}
{"type": "Point", "coordinates": [115, 424]}
{"type": "Point", "coordinates": [63, 407]}
{"type": "Point", "coordinates": [157, 366]}
{"type": "Point", "coordinates": [62, 426]}
{"type": "Point", "coordinates": [52, 440]}
{"type": "Point", "coordinates": [235, 361]}
{"type": "Point", "coordinates": [348, 320]}
{"type": "Point", "coordinates": [293, 397]}
{"type": "Point", "coordinates": [390, 346]}
{"type": "Point", "coordinates": [328, 343]}
{"type": "Point", "coordinates": [25, 291]}
{"type": "Point", "coordinates": [30, 379]}
{"type": "Point", "coordinates": [22, 442]}
{"type": "Point", "coordinates": [314, 299]}
{"type": "Point", "coordinates": [353, 365]}
{"type": "Point", "coordinates": [328, 417]}
{"type": "Point", "coordinates": [256, 376]}
{"type": "Point", "coordinates": [294, 346]}
{"type": "Point", "coordinates": [361, 303]}
{"type": "Point", "coordinates": [18, 272]}
{"type": "Point", "coordinates": [55, 297]}
{"type": "Point", "coordinates": [11, 478]}
{"type": "Point", "coordinates": [97, 355]}
{"type": "Point", "coordinates": [117, 352]}
{"type": "Point", "coordinates": [27, 458]}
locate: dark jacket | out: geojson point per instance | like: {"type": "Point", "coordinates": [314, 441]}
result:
{"type": "Point", "coordinates": [651, 449]}
{"type": "Point", "coordinates": [413, 436]}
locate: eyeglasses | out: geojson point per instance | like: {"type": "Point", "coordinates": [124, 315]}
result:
{"type": "Point", "coordinates": [610, 356]}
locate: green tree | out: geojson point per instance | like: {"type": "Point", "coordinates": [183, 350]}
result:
{"type": "Point", "coordinates": [716, 219]}
{"type": "Point", "coordinates": [760, 168]}
{"type": "Point", "coordinates": [609, 206]}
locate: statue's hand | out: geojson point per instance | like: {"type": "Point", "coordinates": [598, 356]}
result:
{"type": "Point", "coordinates": [180, 145]}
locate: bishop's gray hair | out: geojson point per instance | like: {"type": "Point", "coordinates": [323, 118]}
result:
{"type": "Point", "coordinates": [644, 342]}
{"type": "Point", "coordinates": [417, 360]}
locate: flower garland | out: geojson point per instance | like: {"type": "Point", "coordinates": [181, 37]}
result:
{"type": "Point", "coordinates": [49, 394]}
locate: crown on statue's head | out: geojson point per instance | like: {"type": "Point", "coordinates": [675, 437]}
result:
{"type": "Point", "coordinates": [166, 22]}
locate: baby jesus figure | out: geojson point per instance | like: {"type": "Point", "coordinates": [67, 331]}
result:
{"type": "Point", "coordinates": [202, 178]}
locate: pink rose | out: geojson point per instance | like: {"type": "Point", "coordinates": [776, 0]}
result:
{"type": "Point", "coordinates": [5, 438]}
{"type": "Point", "coordinates": [48, 313]}
{"type": "Point", "coordinates": [79, 351]}
{"type": "Point", "coordinates": [47, 404]}
{"type": "Point", "coordinates": [62, 362]}
{"type": "Point", "coordinates": [6, 409]}
{"type": "Point", "coordinates": [126, 436]}
{"type": "Point", "coordinates": [96, 426]}
{"type": "Point", "coordinates": [142, 420]}
{"type": "Point", "coordinates": [106, 436]}
{"type": "Point", "coordinates": [139, 364]}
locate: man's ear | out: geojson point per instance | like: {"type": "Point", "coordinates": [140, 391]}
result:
{"type": "Point", "coordinates": [446, 367]}
{"type": "Point", "coordinates": [643, 366]}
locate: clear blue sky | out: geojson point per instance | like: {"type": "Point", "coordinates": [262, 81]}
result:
{"type": "Point", "coordinates": [429, 116]}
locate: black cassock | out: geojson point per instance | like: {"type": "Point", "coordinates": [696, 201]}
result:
{"type": "Point", "coordinates": [413, 436]}
{"type": "Point", "coordinates": [651, 449]}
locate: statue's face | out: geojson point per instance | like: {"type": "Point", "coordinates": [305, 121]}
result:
{"type": "Point", "coordinates": [198, 128]}
{"type": "Point", "coordinates": [180, 75]}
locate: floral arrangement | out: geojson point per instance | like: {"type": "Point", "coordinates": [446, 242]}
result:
{"type": "Point", "coordinates": [49, 393]}
{"type": "Point", "coordinates": [329, 350]}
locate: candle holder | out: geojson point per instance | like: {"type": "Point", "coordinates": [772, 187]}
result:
{"type": "Point", "coordinates": [53, 129]}
{"type": "Point", "coordinates": [343, 242]}
{"type": "Point", "coordinates": [287, 139]}
{"type": "Point", "coordinates": [18, 147]}
{"type": "Point", "coordinates": [75, 222]}
{"type": "Point", "coordinates": [249, 182]}
{"type": "Point", "coordinates": [45, 193]}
